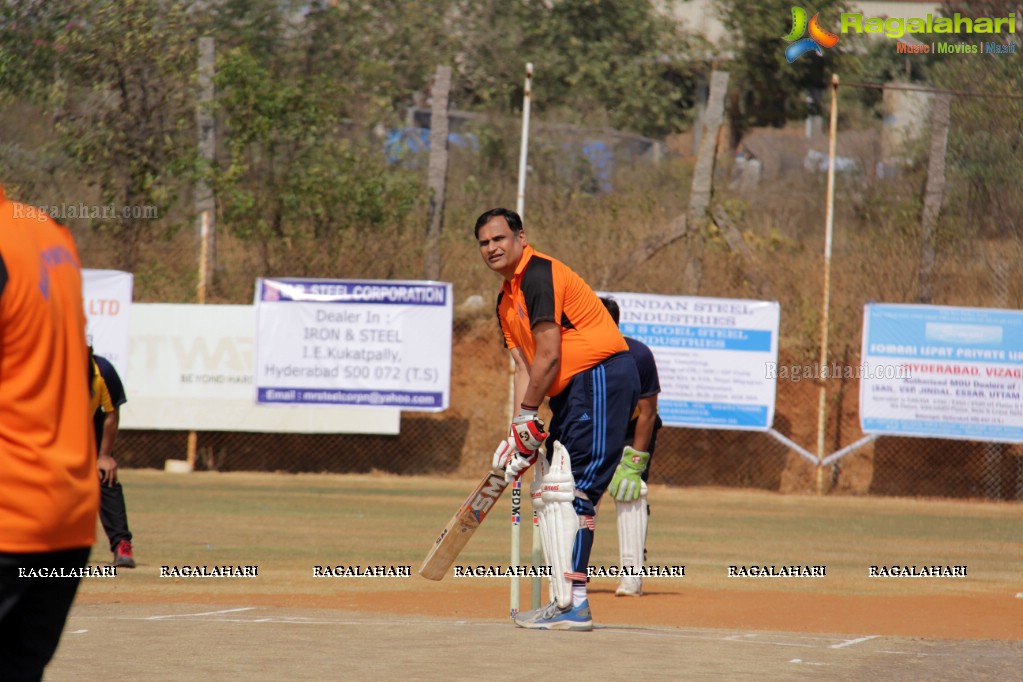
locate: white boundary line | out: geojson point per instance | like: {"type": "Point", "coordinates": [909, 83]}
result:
{"type": "Point", "coordinates": [205, 613]}
{"type": "Point", "coordinates": [853, 642]}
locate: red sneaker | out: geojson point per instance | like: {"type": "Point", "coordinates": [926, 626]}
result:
{"type": "Point", "coordinates": [122, 555]}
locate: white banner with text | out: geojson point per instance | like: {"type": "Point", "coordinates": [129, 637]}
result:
{"type": "Point", "coordinates": [107, 297]}
{"type": "Point", "coordinates": [348, 342]}
{"type": "Point", "coordinates": [713, 357]}
{"type": "Point", "coordinates": [949, 372]}
{"type": "Point", "coordinates": [191, 368]}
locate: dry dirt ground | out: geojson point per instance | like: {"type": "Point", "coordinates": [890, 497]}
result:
{"type": "Point", "coordinates": [242, 640]}
{"type": "Point", "coordinates": [286, 624]}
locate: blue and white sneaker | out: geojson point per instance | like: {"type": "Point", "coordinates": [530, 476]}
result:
{"type": "Point", "coordinates": [551, 617]}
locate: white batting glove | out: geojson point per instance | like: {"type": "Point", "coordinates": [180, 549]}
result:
{"type": "Point", "coordinates": [503, 454]}
{"type": "Point", "coordinates": [508, 459]}
{"type": "Point", "coordinates": [517, 465]}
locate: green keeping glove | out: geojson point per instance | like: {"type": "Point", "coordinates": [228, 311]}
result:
{"type": "Point", "coordinates": [627, 481]}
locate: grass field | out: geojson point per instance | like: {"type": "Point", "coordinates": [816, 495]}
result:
{"type": "Point", "coordinates": [288, 524]}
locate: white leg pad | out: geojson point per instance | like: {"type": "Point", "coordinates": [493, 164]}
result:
{"type": "Point", "coordinates": [536, 498]}
{"type": "Point", "coordinates": [632, 527]}
{"type": "Point", "coordinates": [558, 523]}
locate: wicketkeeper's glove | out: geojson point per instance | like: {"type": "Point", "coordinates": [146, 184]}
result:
{"type": "Point", "coordinates": [628, 479]}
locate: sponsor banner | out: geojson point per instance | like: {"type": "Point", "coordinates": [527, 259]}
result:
{"type": "Point", "coordinates": [107, 298]}
{"type": "Point", "coordinates": [347, 342]}
{"type": "Point", "coordinates": [192, 368]}
{"type": "Point", "coordinates": [961, 372]}
{"type": "Point", "coordinates": [712, 357]}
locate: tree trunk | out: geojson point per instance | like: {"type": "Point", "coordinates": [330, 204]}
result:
{"type": "Point", "coordinates": [206, 148]}
{"type": "Point", "coordinates": [703, 182]}
{"type": "Point", "coordinates": [437, 172]}
{"type": "Point", "coordinates": [933, 195]}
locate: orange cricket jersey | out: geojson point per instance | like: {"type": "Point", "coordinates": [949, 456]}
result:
{"type": "Point", "coordinates": [49, 494]}
{"type": "Point", "coordinates": [546, 290]}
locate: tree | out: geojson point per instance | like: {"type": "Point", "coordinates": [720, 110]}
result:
{"type": "Point", "coordinates": [986, 143]}
{"type": "Point", "coordinates": [289, 174]}
{"type": "Point", "coordinates": [28, 54]}
{"type": "Point", "coordinates": [605, 62]}
{"type": "Point", "coordinates": [773, 91]}
{"type": "Point", "coordinates": [115, 78]}
{"type": "Point", "coordinates": [126, 113]}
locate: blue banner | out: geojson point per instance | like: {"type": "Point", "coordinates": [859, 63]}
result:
{"type": "Point", "coordinates": [943, 372]}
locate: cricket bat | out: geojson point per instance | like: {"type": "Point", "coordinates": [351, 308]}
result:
{"type": "Point", "coordinates": [462, 525]}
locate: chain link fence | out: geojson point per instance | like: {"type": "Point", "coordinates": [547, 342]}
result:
{"type": "Point", "coordinates": [773, 192]}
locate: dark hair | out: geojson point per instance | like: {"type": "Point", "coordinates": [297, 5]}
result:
{"type": "Point", "coordinates": [510, 217]}
{"type": "Point", "coordinates": [612, 307]}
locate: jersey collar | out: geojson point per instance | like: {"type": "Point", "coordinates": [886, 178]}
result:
{"type": "Point", "coordinates": [527, 253]}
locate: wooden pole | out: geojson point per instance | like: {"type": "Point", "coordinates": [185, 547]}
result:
{"type": "Point", "coordinates": [200, 296]}
{"type": "Point", "coordinates": [829, 223]}
{"type": "Point", "coordinates": [204, 202]}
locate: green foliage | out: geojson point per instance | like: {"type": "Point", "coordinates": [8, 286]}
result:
{"type": "Point", "coordinates": [769, 90]}
{"type": "Point", "coordinates": [29, 51]}
{"type": "Point", "coordinates": [289, 173]}
{"type": "Point", "coordinates": [128, 109]}
{"type": "Point", "coordinates": [985, 156]}
{"type": "Point", "coordinates": [982, 8]}
{"type": "Point", "coordinates": [114, 77]}
{"type": "Point", "coordinates": [600, 62]}
{"type": "Point", "coordinates": [985, 150]}
{"type": "Point", "coordinates": [386, 49]}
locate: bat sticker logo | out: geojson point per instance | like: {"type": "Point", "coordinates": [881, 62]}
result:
{"type": "Point", "coordinates": [818, 37]}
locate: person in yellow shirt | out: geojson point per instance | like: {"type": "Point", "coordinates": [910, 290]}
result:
{"type": "Point", "coordinates": [48, 493]}
{"type": "Point", "coordinates": [107, 394]}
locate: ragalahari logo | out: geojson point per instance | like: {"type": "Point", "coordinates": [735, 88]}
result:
{"type": "Point", "coordinates": [818, 38]}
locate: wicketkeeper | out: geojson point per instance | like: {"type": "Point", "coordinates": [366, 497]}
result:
{"type": "Point", "coordinates": [566, 347]}
{"type": "Point", "coordinates": [629, 485]}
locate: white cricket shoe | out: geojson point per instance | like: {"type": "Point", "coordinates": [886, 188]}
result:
{"type": "Point", "coordinates": [629, 586]}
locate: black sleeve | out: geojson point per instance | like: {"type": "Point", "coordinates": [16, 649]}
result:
{"type": "Point", "coordinates": [112, 380]}
{"type": "Point", "coordinates": [500, 324]}
{"type": "Point", "coordinates": [538, 290]}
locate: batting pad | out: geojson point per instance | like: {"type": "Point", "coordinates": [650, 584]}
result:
{"type": "Point", "coordinates": [632, 524]}
{"type": "Point", "coordinates": [558, 523]}
{"type": "Point", "coordinates": [536, 498]}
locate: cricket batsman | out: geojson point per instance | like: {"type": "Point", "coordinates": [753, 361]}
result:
{"type": "Point", "coordinates": [566, 347]}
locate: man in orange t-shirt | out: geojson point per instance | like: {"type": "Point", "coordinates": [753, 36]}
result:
{"type": "Point", "coordinates": [566, 347]}
{"type": "Point", "coordinates": [48, 493]}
